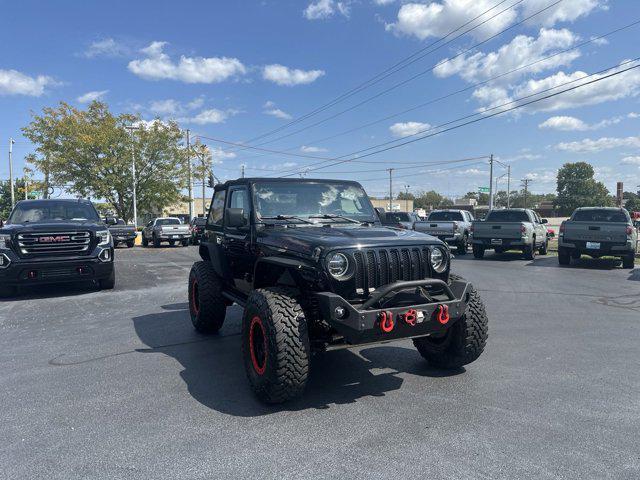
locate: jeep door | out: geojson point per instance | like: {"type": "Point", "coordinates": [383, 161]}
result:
{"type": "Point", "coordinates": [237, 240]}
{"type": "Point", "coordinates": [214, 235]}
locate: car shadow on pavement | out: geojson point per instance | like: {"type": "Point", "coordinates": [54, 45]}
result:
{"type": "Point", "coordinates": [214, 372]}
{"type": "Point", "coordinates": [492, 256]}
{"type": "Point", "coordinates": [35, 292]}
{"type": "Point", "coordinates": [582, 263]}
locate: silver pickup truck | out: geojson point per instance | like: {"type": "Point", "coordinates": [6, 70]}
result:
{"type": "Point", "coordinates": [168, 229]}
{"type": "Point", "coordinates": [597, 232]}
{"type": "Point", "coordinates": [511, 229]}
{"type": "Point", "coordinates": [451, 226]}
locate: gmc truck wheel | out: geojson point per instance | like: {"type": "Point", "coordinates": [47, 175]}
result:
{"type": "Point", "coordinates": [463, 245]}
{"type": "Point", "coordinates": [463, 343]}
{"type": "Point", "coordinates": [478, 251]}
{"type": "Point", "coordinates": [564, 257]}
{"type": "Point", "coordinates": [628, 261]}
{"type": "Point", "coordinates": [275, 344]}
{"type": "Point", "coordinates": [108, 283]}
{"type": "Point", "coordinates": [207, 306]}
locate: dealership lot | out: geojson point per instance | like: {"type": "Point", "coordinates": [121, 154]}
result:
{"type": "Point", "coordinates": [118, 385]}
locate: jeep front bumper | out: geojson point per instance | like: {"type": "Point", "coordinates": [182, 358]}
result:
{"type": "Point", "coordinates": [360, 323]}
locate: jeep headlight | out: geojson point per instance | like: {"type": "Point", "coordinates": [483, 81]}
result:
{"type": "Point", "coordinates": [104, 237]}
{"type": "Point", "coordinates": [438, 259]}
{"type": "Point", "coordinates": [338, 265]}
{"type": "Point", "coordinates": [4, 242]}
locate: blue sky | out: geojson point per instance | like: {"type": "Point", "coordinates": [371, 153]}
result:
{"type": "Point", "coordinates": [237, 69]}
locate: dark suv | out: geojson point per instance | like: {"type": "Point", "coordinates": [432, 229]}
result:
{"type": "Point", "coordinates": [315, 270]}
{"type": "Point", "coordinates": [53, 241]}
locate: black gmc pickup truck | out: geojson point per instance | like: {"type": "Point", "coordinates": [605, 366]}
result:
{"type": "Point", "coordinates": [53, 241]}
{"type": "Point", "coordinates": [314, 270]}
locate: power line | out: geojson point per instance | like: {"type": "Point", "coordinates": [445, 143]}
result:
{"type": "Point", "coordinates": [391, 70]}
{"type": "Point", "coordinates": [485, 117]}
{"type": "Point", "coordinates": [410, 79]}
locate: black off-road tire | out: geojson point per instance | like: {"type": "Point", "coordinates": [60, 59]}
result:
{"type": "Point", "coordinates": [478, 251]}
{"type": "Point", "coordinates": [274, 323]}
{"type": "Point", "coordinates": [207, 306]}
{"type": "Point", "coordinates": [145, 241]}
{"type": "Point", "coordinates": [464, 341]}
{"type": "Point", "coordinates": [131, 243]}
{"type": "Point", "coordinates": [628, 261]}
{"type": "Point", "coordinates": [172, 243]}
{"type": "Point", "coordinates": [530, 251]}
{"type": "Point", "coordinates": [6, 292]}
{"type": "Point", "coordinates": [156, 242]}
{"type": "Point", "coordinates": [564, 256]}
{"type": "Point", "coordinates": [463, 245]}
{"type": "Point", "coordinates": [544, 248]}
{"type": "Point", "coordinates": [185, 243]}
{"type": "Point", "coordinates": [108, 283]}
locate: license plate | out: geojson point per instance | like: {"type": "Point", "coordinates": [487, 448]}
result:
{"type": "Point", "coordinates": [175, 236]}
{"type": "Point", "coordinates": [593, 245]}
{"type": "Point", "coordinates": [496, 241]}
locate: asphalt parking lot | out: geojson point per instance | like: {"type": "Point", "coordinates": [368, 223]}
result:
{"type": "Point", "coordinates": [117, 385]}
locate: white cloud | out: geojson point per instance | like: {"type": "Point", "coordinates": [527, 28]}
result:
{"type": "Point", "coordinates": [424, 20]}
{"type": "Point", "coordinates": [565, 11]}
{"type": "Point", "coordinates": [218, 155]}
{"type": "Point", "coordinates": [633, 160]}
{"type": "Point", "coordinates": [307, 149]}
{"type": "Point", "coordinates": [165, 107]}
{"type": "Point", "coordinates": [383, 2]}
{"type": "Point", "coordinates": [271, 109]}
{"type": "Point", "coordinates": [589, 145]}
{"type": "Point", "coordinates": [288, 76]}
{"type": "Point", "coordinates": [406, 129]}
{"type": "Point", "coordinates": [323, 9]}
{"type": "Point", "coordinates": [157, 65]}
{"type": "Point", "coordinates": [212, 115]}
{"type": "Point", "coordinates": [521, 51]}
{"type": "Point", "coordinates": [91, 96]}
{"type": "Point", "coordinates": [564, 123]}
{"type": "Point", "coordinates": [107, 47]}
{"type": "Point", "coordinates": [13, 82]}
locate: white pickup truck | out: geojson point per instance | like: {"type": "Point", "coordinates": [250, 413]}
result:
{"type": "Point", "coordinates": [167, 229]}
{"type": "Point", "coordinates": [511, 229]}
{"type": "Point", "coordinates": [451, 226]}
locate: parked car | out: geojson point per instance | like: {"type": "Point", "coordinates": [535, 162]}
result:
{"type": "Point", "coordinates": [597, 232]}
{"type": "Point", "coordinates": [165, 229]}
{"type": "Point", "coordinates": [315, 270]}
{"type": "Point", "coordinates": [404, 220]}
{"type": "Point", "coordinates": [511, 229]}
{"type": "Point", "coordinates": [451, 226]}
{"type": "Point", "coordinates": [196, 227]}
{"type": "Point", "coordinates": [54, 241]}
{"type": "Point", "coordinates": [121, 232]}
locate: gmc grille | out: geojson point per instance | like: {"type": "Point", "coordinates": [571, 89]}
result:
{"type": "Point", "coordinates": [54, 243]}
{"type": "Point", "coordinates": [377, 267]}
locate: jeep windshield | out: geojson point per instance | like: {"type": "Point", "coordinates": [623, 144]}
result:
{"type": "Point", "coordinates": [315, 202]}
{"type": "Point", "coordinates": [38, 211]}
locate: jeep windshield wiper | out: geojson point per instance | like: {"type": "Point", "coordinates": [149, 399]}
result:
{"type": "Point", "coordinates": [288, 218]}
{"type": "Point", "coordinates": [332, 216]}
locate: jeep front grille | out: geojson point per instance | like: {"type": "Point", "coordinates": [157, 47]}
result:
{"type": "Point", "coordinates": [54, 243]}
{"type": "Point", "coordinates": [377, 267]}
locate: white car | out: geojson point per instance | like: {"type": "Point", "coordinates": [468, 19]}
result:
{"type": "Point", "coordinates": [166, 229]}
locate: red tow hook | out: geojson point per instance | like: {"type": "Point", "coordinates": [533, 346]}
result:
{"type": "Point", "coordinates": [411, 317]}
{"type": "Point", "coordinates": [443, 314]}
{"type": "Point", "coordinates": [386, 322]}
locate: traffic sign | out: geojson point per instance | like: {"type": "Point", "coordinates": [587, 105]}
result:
{"type": "Point", "coordinates": [483, 189]}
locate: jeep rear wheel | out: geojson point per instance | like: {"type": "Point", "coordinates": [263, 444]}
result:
{"type": "Point", "coordinates": [275, 344]}
{"type": "Point", "coordinates": [207, 306]}
{"type": "Point", "coordinates": [463, 343]}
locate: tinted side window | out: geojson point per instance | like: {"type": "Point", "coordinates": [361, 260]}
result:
{"type": "Point", "coordinates": [216, 212]}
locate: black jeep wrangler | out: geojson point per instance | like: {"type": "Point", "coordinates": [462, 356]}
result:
{"type": "Point", "coordinates": [315, 270]}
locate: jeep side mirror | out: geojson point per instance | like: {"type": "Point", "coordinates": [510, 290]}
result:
{"type": "Point", "coordinates": [235, 217]}
{"type": "Point", "coordinates": [544, 220]}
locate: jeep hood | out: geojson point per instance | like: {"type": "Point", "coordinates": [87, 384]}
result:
{"type": "Point", "coordinates": [305, 239]}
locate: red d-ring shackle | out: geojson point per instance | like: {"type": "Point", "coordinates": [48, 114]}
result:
{"type": "Point", "coordinates": [443, 314]}
{"type": "Point", "coordinates": [386, 322]}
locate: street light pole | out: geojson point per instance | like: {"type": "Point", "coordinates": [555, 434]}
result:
{"type": "Point", "coordinates": [131, 128]}
{"type": "Point", "coordinates": [13, 195]}
{"type": "Point", "coordinates": [390, 190]}
{"type": "Point", "coordinates": [491, 182]}
{"type": "Point", "coordinates": [190, 179]}
{"type": "Point", "coordinates": [406, 198]}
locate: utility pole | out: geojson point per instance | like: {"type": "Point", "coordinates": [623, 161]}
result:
{"type": "Point", "coordinates": [526, 182]}
{"type": "Point", "coordinates": [491, 182]}
{"type": "Point", "coordinates": [131, 128]}
{"type": "Point", "coordinates": [508, 186]}
{"type": "Point", "coordinates": [242, 170]}
{"type": "Point", "coordinates": [406, 198]}
{"type": "Point", "coordinates": [190, 179]}
{"type": "Point", "coordinates": [390, 170]}
{"type": "Point", "coordinates": [13, 195]}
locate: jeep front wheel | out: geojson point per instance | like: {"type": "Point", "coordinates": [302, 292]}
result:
{"type": "Point", "coordinates": [463, 343]}
{"type": "Point", "coordinates": [207, 306]}
{"type": "Point", "coordinates": [275, 344]}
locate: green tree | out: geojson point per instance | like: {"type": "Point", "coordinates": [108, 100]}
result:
{"type": "Point", "coordinates": [632, 201]}
{"type": "Point", "coordinates": [428, 200]}
{"type": "Point", "coordinates": [91, 152]}
{"type": "Point", "coordinates": [578, 188]}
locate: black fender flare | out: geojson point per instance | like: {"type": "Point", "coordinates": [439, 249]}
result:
{"type": "Point", "coordinates": [267, 269]}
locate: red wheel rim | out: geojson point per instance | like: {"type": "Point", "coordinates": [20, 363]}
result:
{"type": "Point", "coordinates": [258, 345]}
{"type": "Point", "coordinates": [195, 300]}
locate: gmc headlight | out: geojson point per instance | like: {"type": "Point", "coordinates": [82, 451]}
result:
{"type": "Point", "coordinates": [439, 259]}
{"type": "Point", "coordinates": [4, 241]}
{"type": "Point", "coordinates": [338, 265]}
{"type": "Point", "coordinates": [104, 237]}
